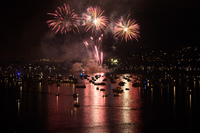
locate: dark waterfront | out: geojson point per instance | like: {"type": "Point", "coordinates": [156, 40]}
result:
{"type": "Point", "coordinates": [148, 103]}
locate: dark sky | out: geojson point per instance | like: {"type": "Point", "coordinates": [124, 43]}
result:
{"type": "Point", "coordinates": [167, 23]}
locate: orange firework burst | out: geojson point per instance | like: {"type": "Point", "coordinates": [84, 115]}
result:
{"type": "Point", "coordinates": [64, 20]}
{"type": "Point", "coordinates": [127, 29]}
{"type": "Point", "coordinates": [94, 19]}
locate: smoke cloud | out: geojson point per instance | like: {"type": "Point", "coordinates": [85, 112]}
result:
{"type": "Point", "coordinates": [76, 68]}
{"type": "Point", "coordinates": [88, 66]}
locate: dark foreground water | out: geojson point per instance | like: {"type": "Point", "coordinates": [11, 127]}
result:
{"type": "Point", "coordinates": [34, 107]}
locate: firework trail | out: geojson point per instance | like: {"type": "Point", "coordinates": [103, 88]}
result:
{"type": "Point", "coordinates": [94, 19]}
{"type": "Point", "coordinates": [101, 59]}
{"type": "Point", "coordinates": [127, 30]}
{"type": "Point", "coordinates": [64, 20]}
{"type": "Point", "coordinates": [86, 43]}
{"type": "Point", "coordinates": [93, 48]}
{"type": "Point", "coordinates": [97, 54]}
{"type": "Point", "coordinates": [97, 44]}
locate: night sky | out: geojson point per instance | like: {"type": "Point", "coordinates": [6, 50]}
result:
{"type": "Point", "coordinates": [163, 23]}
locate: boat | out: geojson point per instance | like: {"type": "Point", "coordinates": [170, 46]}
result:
{"type": "Point", "coordinates": [136, 84]}
{"type": "Point", "coordinates": [102, 83]}
{"type": "Point", "coordinates": [102, 89]}
{"type": "Point", "coordinates": [104, 79]}
{"type": "Point", "coordinates": [121, 83]}
{"type": "Point", "coordinates": [80, 86]}
{"type": "Point", "coordinates": [118, 90]}
{"type": "Point", "coordinates": [57, 94]}
{"type": "Point", "coordinates": [116, 95]}
{"type": "Point", "coordinates": [75, 95]}
{"type": "Point", "coordinates": [58, 85]}
{"type": "Point", "coordinates": [76, 104]}
{"type": "Point", "coordinates": [105, 95]}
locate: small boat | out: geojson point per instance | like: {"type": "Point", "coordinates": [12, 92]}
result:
{"type": "Point", "coordinates": [136, 84]}
{"type": "Point", "coordinates": [121, 83]}
{"type": "Point", "coordinates": [57, 94]}
{"type": "Point", "coordinates": [104, 79]}
{"type": "Point", "coordinates": [76, 104]}
{"type": "Point", "coordinates": [105, 95]}
{"type": "Point", "coordinates": [75, 95]}
{"type": "Point", "coordinates": [118, 90]}
{"type": "Point", "coordinates": [80, 86]}
{"type": "Point", "coordinates": [116, 95]}
{"type": "Point", "coordinates": [18, 100]}
{"type": "Point", "coordinates": [58, 85]}
{"type": "Point", "coordinates": [102, 89]}
{"type": "Point", "coordinates": [102, 83]}
{"type": "Point", "coordinates": [128, 80]}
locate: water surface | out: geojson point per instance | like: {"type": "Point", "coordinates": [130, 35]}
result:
{"type": "Point", "coordinates": [34, 107]}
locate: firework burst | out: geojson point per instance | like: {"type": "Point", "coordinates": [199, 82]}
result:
{"type": "Point", "coordinates": [94, 19]}
{"type": "Point", "coordinates": [64, 20]}
{"type": "Point", "coordinates": [127, 30]}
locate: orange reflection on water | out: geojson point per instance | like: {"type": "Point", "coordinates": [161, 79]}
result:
{"type": "Point", "coordinates": [129, 103]}
{"type": "Point", "coordinates": [94, 109]}
{"type": "Point", "coordinates": [57, 103]}
{"type": "Point", "coordinates": [18, 108]}
{"type": "Point", "coordinates": [94, 103]}
{"type": "Point", "coordinates": [174, 93]}
{"type": "Point", "coordinates": [190, 101]}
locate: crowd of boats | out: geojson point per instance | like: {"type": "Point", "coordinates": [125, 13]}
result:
{"type": "Point", "coordinates": [150, 80]}
{"type": "Point", "coordinates": [144, 81]}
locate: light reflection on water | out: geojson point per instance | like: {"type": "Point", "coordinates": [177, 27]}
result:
{"type": "Point", "coordinates": [56, 112]}
{"type": "Point", "coordinates": [174, 93]}
{"type": "Point", "coordinates": [18, 108]}
{"type": "Point", "coordinates": [94, 110]}
{"type": "Point", "coordinates": [190, 101]}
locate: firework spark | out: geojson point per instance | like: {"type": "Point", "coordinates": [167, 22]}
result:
{"type": "Point", "coordinates": [97, 54]}
{"type": "Point", "coordinates": [64, 20]}
{"type": "Point", "coordinates": [86, 43]}
{"type": "Point", "coordinates": [94, 19]}
{"type": "Point", "coordinates": [101, 58]}
{"type": "Point", "coordinates": [127, 30]}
